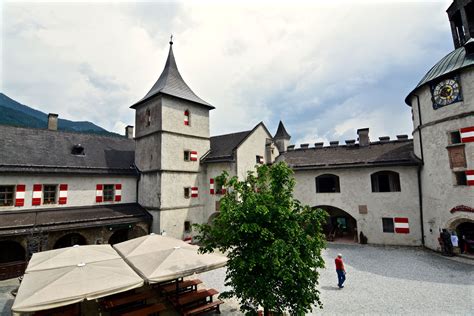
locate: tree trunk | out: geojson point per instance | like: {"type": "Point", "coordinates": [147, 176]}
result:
{"type": "Point", "coordinates": [266, 312]}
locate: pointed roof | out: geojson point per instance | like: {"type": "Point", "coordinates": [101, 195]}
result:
{"type": "Point", "coordinates": [171, 83]}
{"type": "Point", "coordinates": [281, 132]}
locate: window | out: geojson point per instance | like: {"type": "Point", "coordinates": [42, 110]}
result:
{"type": "Point", "coordinates": [385, 181]}
{"type": "Point", "coordinates": [6, 195]}
{"type": "Point", "coordinates": [109, 192]}
{"type": "Point", "coordinates": [187, 226]}
{"type": "Point", "coordinates": [148, 117]}
{"type": "Point", "coordinates": [187, 155]}
{"type": "Point", "coordinates": [460, 178]}
{"type": "Point", "coordinates": [259, 159]}
{"type": "Point", "coordinates": [187, 118]}
{"type": "Point", "coordinates": [187, 192]}
{"type": "Point", "coordinates": [387, 225]}
{"type": "Point", "coordinates": [219, 187]}
{"type": "Point", "coordinates": [454, 137]}
{"type": "Point", "coordinates": [327, 183]}
{"type": "Point", "coordinates": [49, 193]}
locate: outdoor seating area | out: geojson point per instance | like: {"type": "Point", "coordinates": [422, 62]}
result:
{"type": "Point", "coordinates": [142, 276]}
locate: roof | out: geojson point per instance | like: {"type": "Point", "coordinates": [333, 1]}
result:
{"type": "Point", "coordinates": [281, 132]}
{"type": "Point", "coordinates": [377, 153]}
{"type": "Point", "coordinates": [42, 150]}
{"type": "Point", "coordinates": [171, 83]}
{"type": "Point", "coordinates": [454, 61]}
{"type": "Point", "coordinates": [28, 221]}
{"type": "Point", "coordinates": [223, 146]}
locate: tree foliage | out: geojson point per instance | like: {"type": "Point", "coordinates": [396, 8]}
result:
{"type": "Point", "coordinates": [273, 242]}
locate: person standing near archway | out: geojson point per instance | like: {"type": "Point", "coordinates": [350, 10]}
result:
{"type": "Point", "coordinates": [341, 271]}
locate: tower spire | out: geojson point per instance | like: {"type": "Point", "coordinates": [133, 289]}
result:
{"type": "Point", "coordinates": [171, 39]}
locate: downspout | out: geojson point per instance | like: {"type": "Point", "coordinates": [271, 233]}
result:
{"type": "Point", "coordinates": [420, 186]}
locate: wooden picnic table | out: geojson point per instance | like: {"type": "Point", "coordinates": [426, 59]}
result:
{"type": "Point", "coordinates": [129, 299]}
{"type": "Point", "coordinates": [196, 296]}
{"type": "Point", "coordinates": [145, 310]}
{"type": "Point", "coordinates": [183, 286]}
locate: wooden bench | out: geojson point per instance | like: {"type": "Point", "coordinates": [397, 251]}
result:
{"type": "Point", "coordinates": [183, 286]}
{"type": "Point", "coordinates": [129, 299]}
{"type": "Point", "coordinates": [145, 310]}
{"type": "Point", "coordinates": [207, 307]}
{"type": "Point", "coordinates": [69, 310]}
{"type": "Point", "coordinates": [197, 296]}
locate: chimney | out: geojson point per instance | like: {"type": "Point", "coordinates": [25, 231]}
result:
{"type": "Point", "coordinates": [402, 137]}
{"type": "Point", "coordinates": [129, 131]}
{"type": "Point", "coordinates": [384, 139]}
{"type": "Point", "coordinates": [304, 146]}
{"type": "Point", "coordinates": [363, 134]}
{"type": "Point", "coordinates": [290, 148]}
{"type": "Point", "coordinates": [334, 143]}
{"type": "Point", "coordinates": [52, 121]}
{"type": "Point", "coordinates": [318, 145]}
{"type": "Point", "coordinates": [350, 142]}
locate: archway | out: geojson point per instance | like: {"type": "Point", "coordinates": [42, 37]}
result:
{"type": "Point", "coordinates": [212, 217]}
{"type": "Point", "coordinates": [340, 225]}
{"type": "Point", "coordinates": [119, 236]}
{"type": "Point", "coordinates": [70, 240]}
{"type": "Point", "coordinates": [12, 259]}
{"type": "Point", "coordinates": [465, 232]}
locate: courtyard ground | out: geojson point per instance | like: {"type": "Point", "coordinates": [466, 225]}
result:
{"type": "Point", "coordinates": [380, 280]}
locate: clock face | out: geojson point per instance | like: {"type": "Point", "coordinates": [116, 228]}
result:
{"type": "Point", "coordinates": [446, 92]}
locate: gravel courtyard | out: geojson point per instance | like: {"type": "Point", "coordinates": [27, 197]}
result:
{"type": "Point", "coordinates": [386, 280]}
{"type": "Point", "coordinates": [380, 280]}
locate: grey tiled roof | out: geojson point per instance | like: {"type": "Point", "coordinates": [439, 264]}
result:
{"type": "Point", "coordinates": [223, 146]}
{"type": "Point", "coordinates": [24, 221]}
{"type": "Point", "coordinates": [377, 153]}
{"type": "Point", "coordinates": [46, 151]}
{"type": "Point", "coordinates": [456, 60]}
{"type": "Point", "coordinates": [281, 131]}
{"type": "Point", "coordinates": [170, 82]}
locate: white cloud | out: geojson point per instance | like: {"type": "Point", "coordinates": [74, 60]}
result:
{"type": "Point", "coordinates": [320, 67]}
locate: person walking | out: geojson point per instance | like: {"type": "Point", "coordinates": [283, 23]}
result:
{"type": "Point", "coordinates": [341, 272]}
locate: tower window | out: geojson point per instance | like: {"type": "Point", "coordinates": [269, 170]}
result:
{"type": "Point", "coordinates": [109, 192]}
{"type": "Point", "coordinates": [187, 118]}
{"type": "Point", "coordinates": [460, 178]}
{"type": "Point", "coordinates": [454, 137]}
{"type": "Point", "coordinates": [49, 193]}
{"type": "Point", "coordinates": [187, 155]}
{"type": "Point", "coordinates": [327, 183]}
{"type": "Point", "coordinates": [187, 192]}
{"type": "Point", "coordinates": [385, 181]}
{"type": "Point", "coordinates": [6, 195]}
{"type": "Point", "coordinates": [148, 117]}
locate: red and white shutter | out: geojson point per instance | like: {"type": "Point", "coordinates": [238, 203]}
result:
{"type": "Point", "coordinates": [186, 117]}
{"type": "Point", "coordinates": [37, 188]}
{"type": "Point", "coordinates": [401, 225]}
{"type": "Point", "coordinates": [194, 156]}
{"type": "Point", "coordinates": [223, 190]}
{"type": "Point", "coordinates": [211, 186]}
{"type": "Point", "coordinates": [467, 134]}
{"type": "Point", "coordinates": [20, 195]}
{"type": "Point", "coordinates": [194, 192]}
{"type": "Point", "coordinates": [62, 194]}
{"type": "Point", "coordinates": [118, 192]}
{"type": "Point", "coordinates": [99, 193]}
{"type": "Point", "coordinates": [470, 177]}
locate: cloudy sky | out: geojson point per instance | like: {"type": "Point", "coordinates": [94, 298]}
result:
{"type": "Point", "coordinates": [325, 68]}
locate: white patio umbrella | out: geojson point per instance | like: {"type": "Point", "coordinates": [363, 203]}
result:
{"type": "Point", "coordinates": [70, 275]}
{"type": "Point", "coordinates": [157, 258]}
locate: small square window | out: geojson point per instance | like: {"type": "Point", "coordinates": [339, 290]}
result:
{"type": "Point", "coordinates": [187, 192]}
{"type": "Point", "coordinates": [460, 178]}
{"type": "Point", "coordinates": [259, 159]}
{"type": "Point", "coordinates": [109, 192]}
{"type": "Point", "coordinates": [387, 225]}
{"type": "Point", "coordinates": [6, 195]}
{"type": "Point", "coordinates": [187, 226]}
{"type": "Point", "coordinates": [49, 193]}
{"type": "Point", "coordinates": [455, 137]}
{"type": "Point", "coordinates": [187, 155]}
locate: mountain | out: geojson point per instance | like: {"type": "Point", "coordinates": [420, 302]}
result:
{"type": "Point", "coordinates": [17, 114]}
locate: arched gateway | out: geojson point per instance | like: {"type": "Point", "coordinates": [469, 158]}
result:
{"type": "Point", "coordinates": [340, 225]}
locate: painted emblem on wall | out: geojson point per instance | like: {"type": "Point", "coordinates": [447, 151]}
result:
{"type": "Point", "coordinates": [446, 92]}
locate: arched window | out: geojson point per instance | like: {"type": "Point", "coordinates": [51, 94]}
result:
{"type": "Point", "coordinates": [11, 251]}
{"type": "Point", "coordinates": [148, 117]}
{"type": "Point", "coordinates": [187, 118]}
{"type": "Point", "coordinates": [327, 183]}
{"type": "Point", "coordinates": [70, 240]}
{"type": "Point", "coordinates": [385, 181]}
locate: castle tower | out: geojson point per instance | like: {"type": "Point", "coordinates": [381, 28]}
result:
{"type": "Point", "coordinates": [443, 136]}
{"type": "Point", "coordinates": [172, 133]}
{"type": "Point", "coordinates": [281, 138]}
{"type": "Point", "coordinates": [461, 17]}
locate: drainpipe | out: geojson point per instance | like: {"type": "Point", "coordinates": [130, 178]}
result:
{"type": "Point", "coordinates": [420, 186]}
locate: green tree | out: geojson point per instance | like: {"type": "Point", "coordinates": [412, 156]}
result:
{"type": "Point", "coordinates": [273, 242]}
